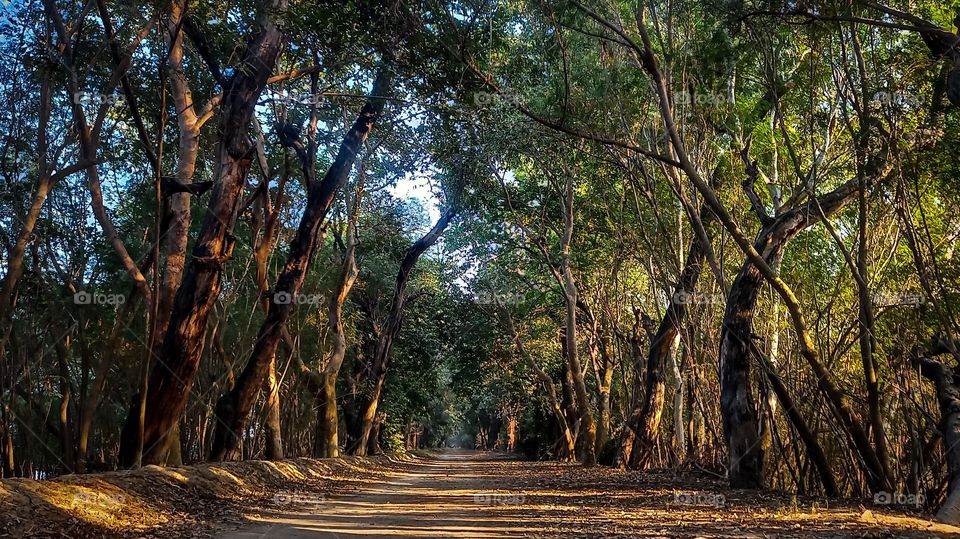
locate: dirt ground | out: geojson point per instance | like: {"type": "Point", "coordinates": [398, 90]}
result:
{"type": "Point", "coordinates": [461, 494]}
{"type": "Point", "coordinates": [448, 494]}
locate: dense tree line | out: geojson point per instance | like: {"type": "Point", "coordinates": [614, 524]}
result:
{"type": "Point", "coordinates": [718, 234]}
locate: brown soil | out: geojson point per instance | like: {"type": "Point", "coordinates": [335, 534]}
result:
{"type": "Point", "coordinates": [448, 494]}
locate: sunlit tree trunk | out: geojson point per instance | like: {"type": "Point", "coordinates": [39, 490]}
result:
{"type": "Point", "coordinates": [172, 375]}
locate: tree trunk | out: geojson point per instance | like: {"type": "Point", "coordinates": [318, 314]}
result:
{"type": "Point", "coordinates": [327, 442]}
{"type": "Point", "coordinates": [740, 422]}
{"type": "Point", "coordinates": [736, 399]}
{"type": "Point", "coordinates": [175, 227]}
{"type": "Point", "coordinates": [947, 384]}
{"type": "Point", "coordinates": [588, 427]}
{"type": "Point", "coordinates": [679, 436]}
{"type": "Point", "coordinates": [234, 407]}
{"type": "Point", "coordinates": [511, 434]}
{"type": "Point", "coordinates": [643, 425]}
{"type": "Point", "coordinates": [274, 442]}
{"type": "Point", "coordinates": [384, 350]}
{"type": "Point", "coordinates": [66, 393]}
{"type": "Point", "coordinates": [177, 230]}
{"type": "Point", "coordinates": [172, 375]}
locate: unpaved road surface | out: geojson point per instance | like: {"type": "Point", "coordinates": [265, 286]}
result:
{"type": "Point", "coordinates": [468, 494]}
{"type": "Point", "coordinates": [443, 497]}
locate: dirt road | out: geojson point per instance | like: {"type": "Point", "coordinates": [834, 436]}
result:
{"type": "Point", "coordinates": [457, 494]}
{"type": "Point", "coordinates": [467, 494]}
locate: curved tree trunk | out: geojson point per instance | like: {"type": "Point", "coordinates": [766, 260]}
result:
{"type": "Point", "coordinates": [327, 443]}
{"type": "Point", "coordinates": [736, 399]}
{"type": "Point", "coordinates": [234, 407]}
{"type": "Point", "coordinates": [643, 425]}
{"type": "Point", "coordinates": [384, 351]}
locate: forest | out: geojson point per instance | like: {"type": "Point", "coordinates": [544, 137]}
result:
{"type": "Point", "coordinates": [708, 236]}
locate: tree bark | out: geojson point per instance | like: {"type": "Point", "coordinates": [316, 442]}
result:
{"type": "Point", "coordinates": [384, 351]}
{"type": "Point", "coordinates": [234, 407]}
{"type": "Point", "coordinates": [946, 381]}
{"type": "Point", "coordinates": [172, 375]}
{"type": "Point", "coordinates": [274, 441]}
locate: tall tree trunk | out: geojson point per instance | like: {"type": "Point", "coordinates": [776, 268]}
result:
{"type": "Point", "coordinates": [588, 427]}
{"type": "Point", "coordinates": [643, 425]}
{"type": "Point", "coordinates": [7, 463]}
{"type": "Point", "coordinates": [234, 407]}
{"type": "Point", "coordinates": [603, 368]}
{"type": "Point", "coordinates": [736, 399]}
{"type": "Point", "coordinates": [264, 219]}
{"type": "Point", "coordinates": [511, 434]}
{"type": "Point", "coordinates": [679, 435]}
{"type": "Point", "coordinates": [176, 206]}
{"type": "Point", "coordinates": [384, 351]}
{"type": "Point", "coordinates": [327, 442]}
{"type": "Point", "coordinates": [172, 375]}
